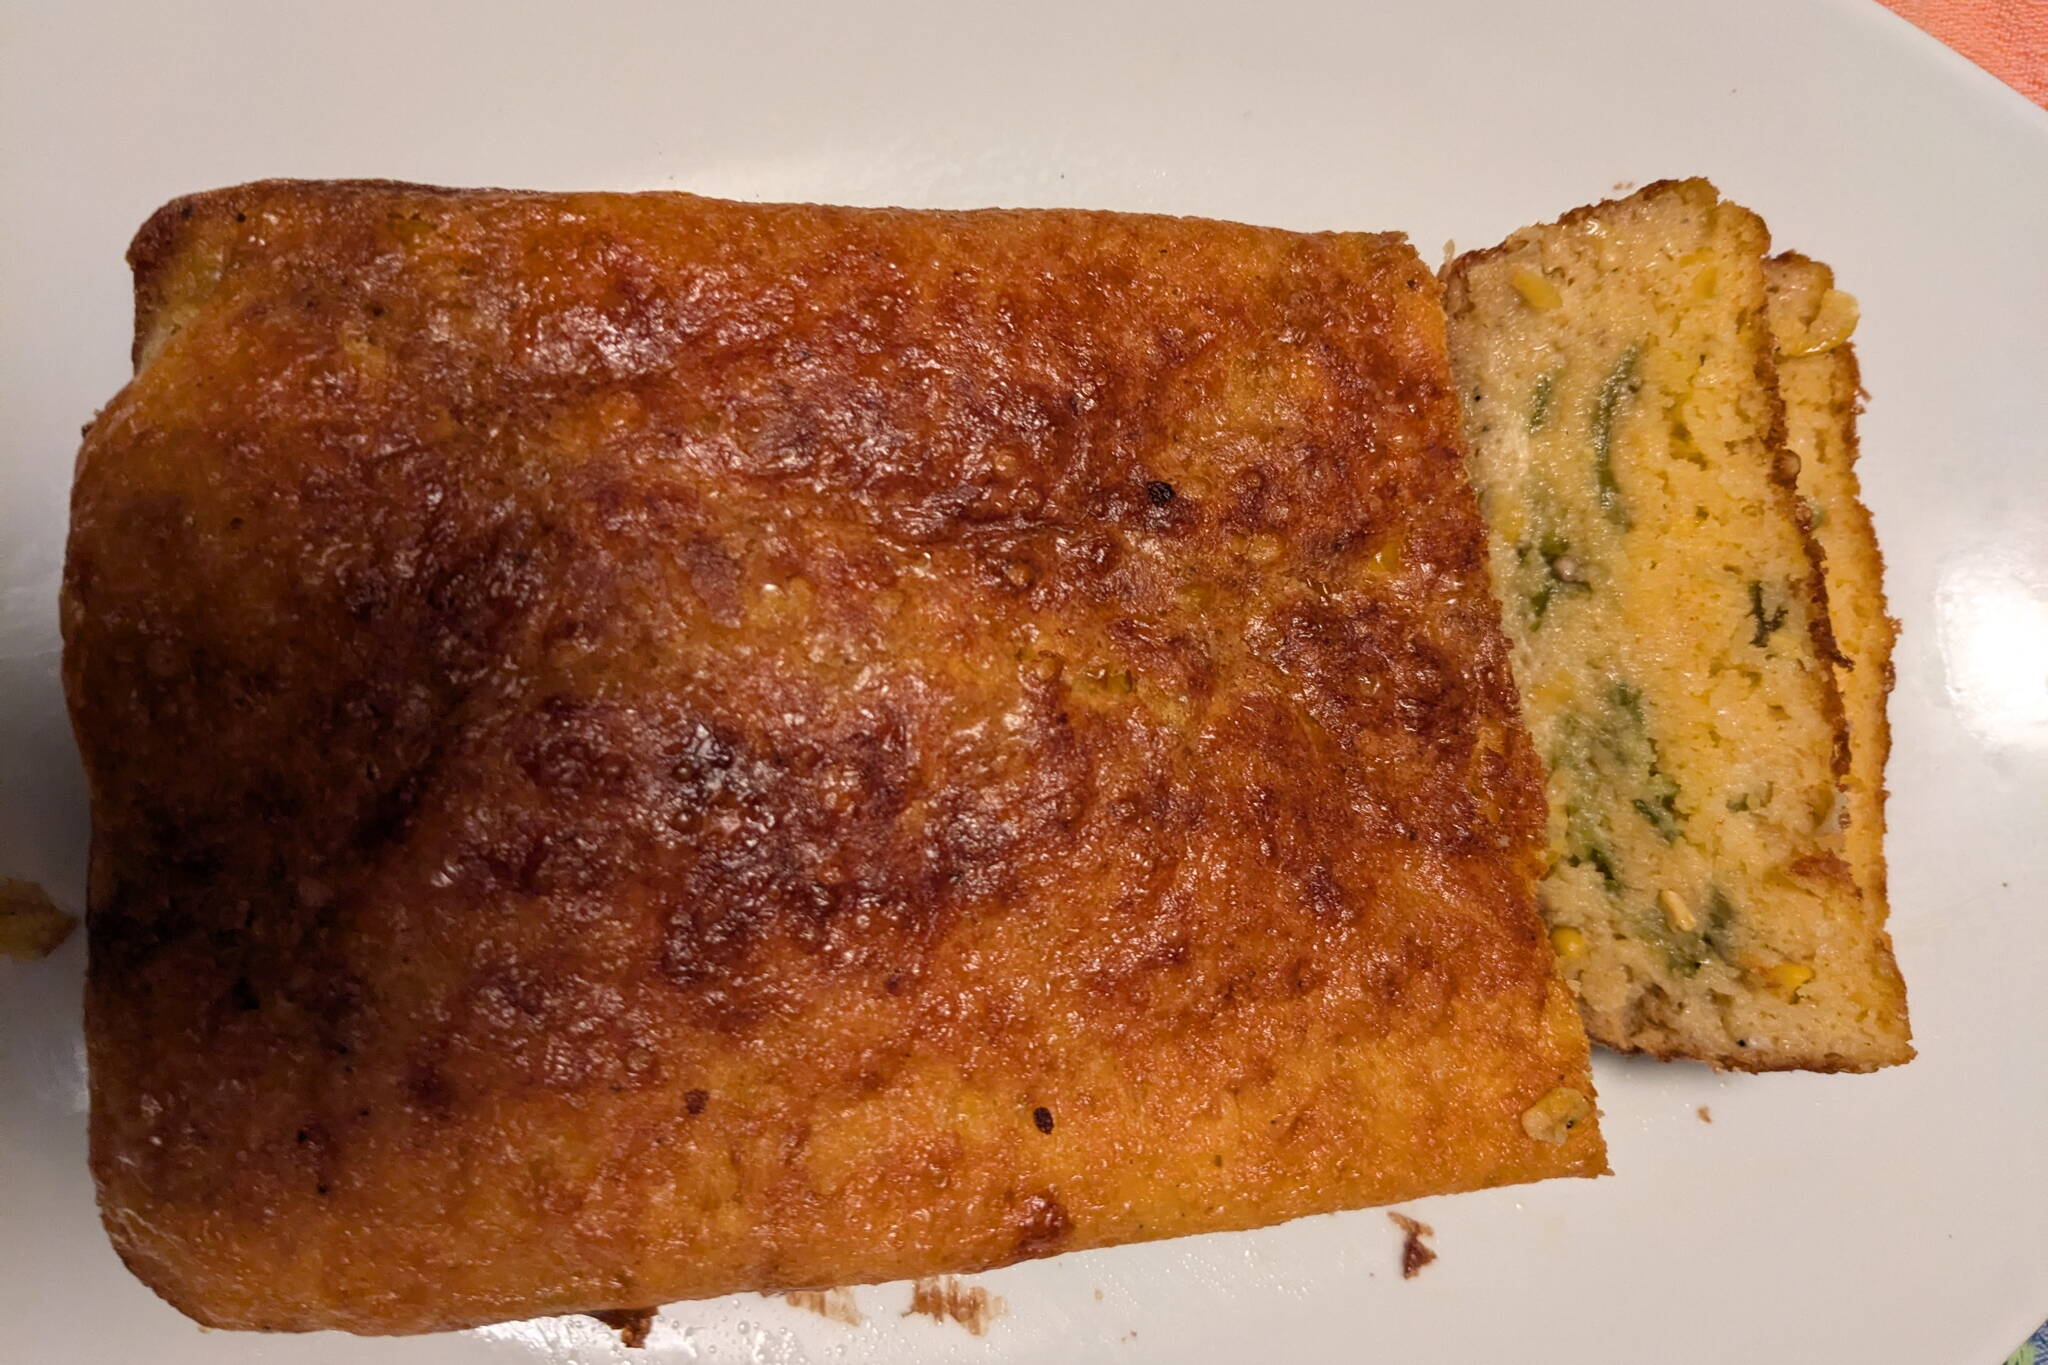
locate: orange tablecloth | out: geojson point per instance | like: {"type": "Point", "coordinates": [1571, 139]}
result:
{"type": "Point", "coordinates": [2008, 38]}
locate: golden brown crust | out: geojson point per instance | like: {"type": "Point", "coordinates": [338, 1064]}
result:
{"type": "Point", "coordinates": [1463, 263]}
{"type": "Point", "coordinates": [1785, 480]}
{"type": "Point", "coordinates": [638, 743]}
{"type": "Point", "coordinates": [1823, 376]}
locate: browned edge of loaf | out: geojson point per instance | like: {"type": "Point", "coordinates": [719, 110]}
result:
{"type": "Point", "coordinates": [1876, 738]}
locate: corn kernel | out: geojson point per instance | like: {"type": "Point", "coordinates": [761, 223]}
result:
{"type": "Point", "coordinates": [1788, 977]}
{"type": "Point", "coordinates": [1706, 282]}
{"type": "Point", "coordinates": [1536, 291]}
{"type": "Point", "coordinates": [1677, 911]}
{"type": "Point", "coordinates": [1553, 692]}
{"type": "Point", "coordinates": [783, 603]}
{"type": "Point", "coordinates": [1832, 324]}
{"type": "Point", "coordinates": [1509, 518]}
{"type": "Point", "coordinates": [1831, 808]}
{"type": "Point", "coordinates": [1552, 1118]}
{"type": "Point", "coordinates": [1569, 943]}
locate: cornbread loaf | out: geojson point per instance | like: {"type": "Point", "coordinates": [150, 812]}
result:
{"type": "Point", "coordinates": [1811, 323]}
{"type": "Point", "coordinates": [1671, 637]}
{"type": "Point", "coordinates": [644, 747]}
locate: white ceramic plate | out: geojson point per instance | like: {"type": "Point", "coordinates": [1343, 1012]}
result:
{"type": "Point", "coordinates": [1896, 1217]}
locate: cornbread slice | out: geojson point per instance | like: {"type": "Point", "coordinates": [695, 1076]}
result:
{"type": "Point", "coordinates": [1671, 636]}
{"type": "Point", "coordinates": [643, 747]}
{"type": "Point", "coordinates": [1811, 323]}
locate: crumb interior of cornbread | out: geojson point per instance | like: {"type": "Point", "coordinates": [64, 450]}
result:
{"type": "Point", "coordinates": [1657, 589]}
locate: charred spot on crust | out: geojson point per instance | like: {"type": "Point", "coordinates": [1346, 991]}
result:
{"type": "Point", "coordinates": [429, 1089]}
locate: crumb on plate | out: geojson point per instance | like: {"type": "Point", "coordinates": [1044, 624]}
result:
{"type": "Point", "coordinates": [31, 925]}
{"type": "Point", "coordinates": [1415, 1253]}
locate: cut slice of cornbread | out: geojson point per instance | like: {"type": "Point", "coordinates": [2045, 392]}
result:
{"type": "Point", "coordinates": [1811, 322]}
{"type": "Point", "coordinates": [1671, 636]}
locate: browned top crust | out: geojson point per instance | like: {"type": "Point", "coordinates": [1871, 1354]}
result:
{"type": "Point", "coordinates": [644, 746]}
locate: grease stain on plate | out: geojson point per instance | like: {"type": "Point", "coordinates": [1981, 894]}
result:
{"type": "Point", "coordinates": [945, 1299]}
{"type": "Point", "coordinates": [836, 1304]}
